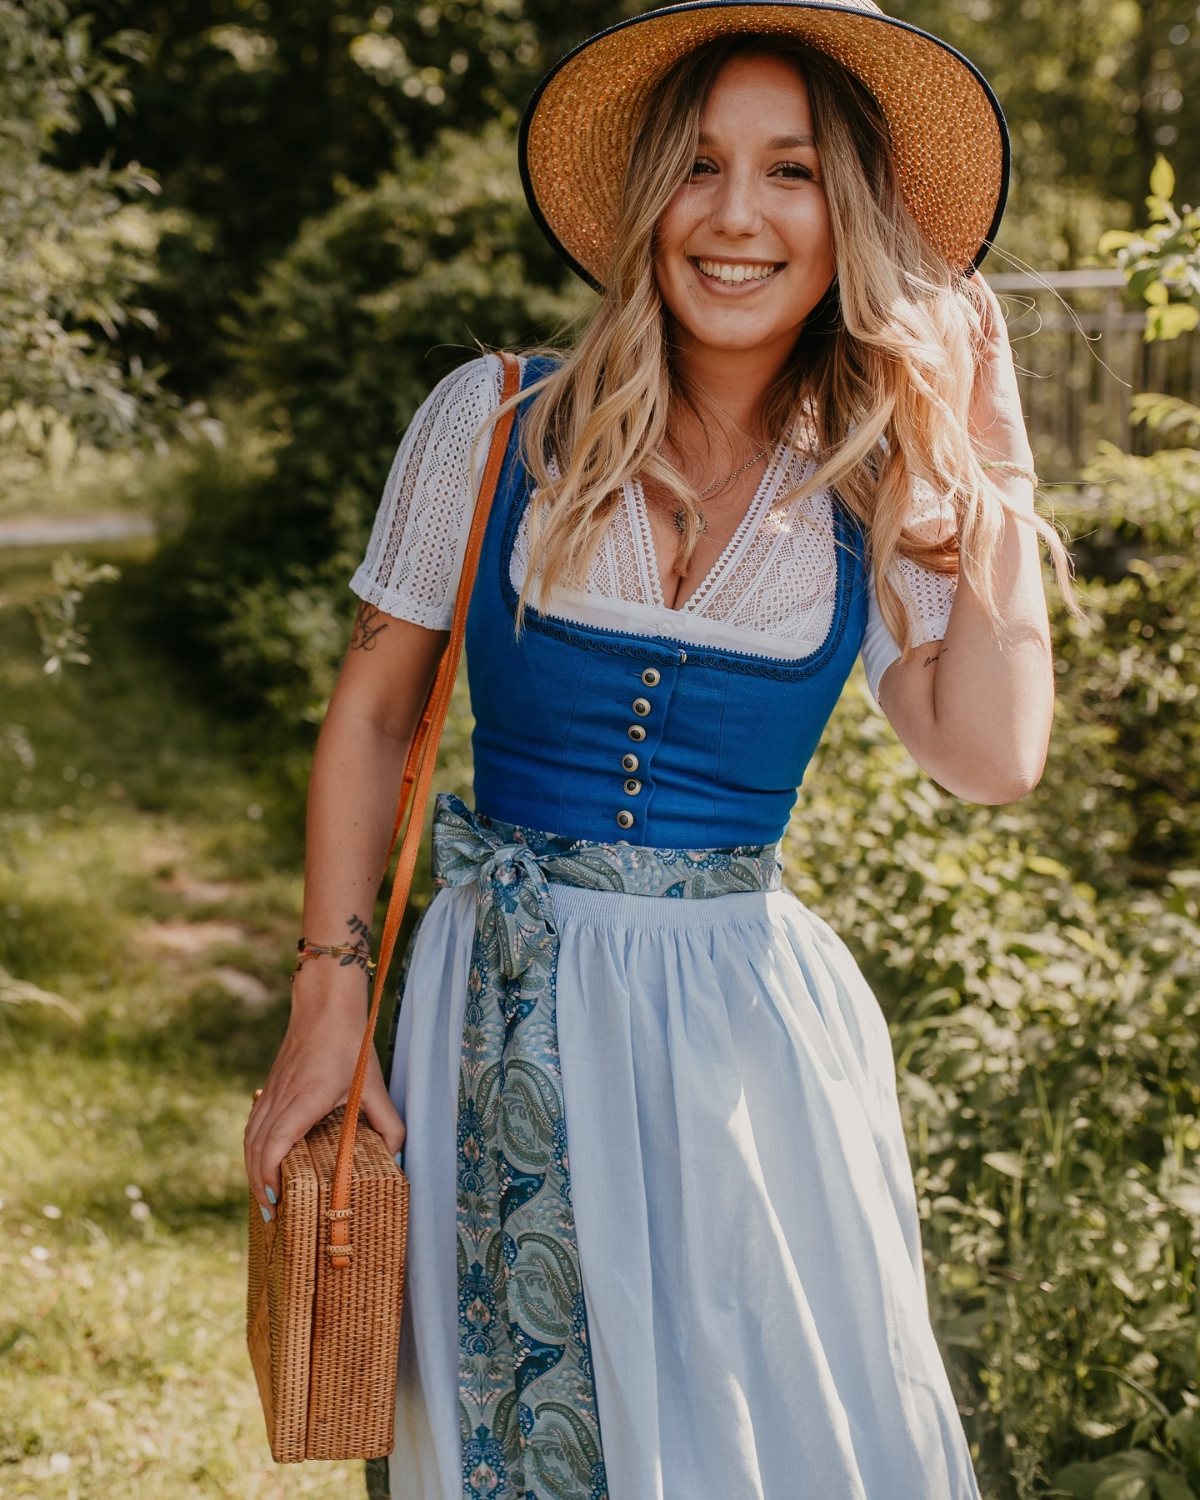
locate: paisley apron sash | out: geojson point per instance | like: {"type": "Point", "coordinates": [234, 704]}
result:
{"type": "Point", "coordinates": [527, 1399]}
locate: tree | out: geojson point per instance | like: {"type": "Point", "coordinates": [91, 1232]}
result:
{"type": "Point", "coordinates": [78, 256]}
{"type": "Point", "coordinates": [258, 117]}
{"type": "Point", "coordinates": [377, 299]}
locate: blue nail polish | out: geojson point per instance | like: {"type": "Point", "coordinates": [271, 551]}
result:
{"type": "Point", "coordinates": [266, 1213]}
{"type": "Point", "coordinates": [271, 1198]}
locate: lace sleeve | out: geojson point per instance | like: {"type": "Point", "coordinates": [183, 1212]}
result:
{"type": "Point", "coordinates": [414, 557]}
{"type": "Point", "coordinates": [928, 596]}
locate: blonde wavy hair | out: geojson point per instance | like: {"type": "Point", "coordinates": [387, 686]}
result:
{"type": "Point", "coordinates": [877, 387]}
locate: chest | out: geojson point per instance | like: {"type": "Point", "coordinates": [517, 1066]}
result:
{"type": "Point", "coordinates": [764, 586]}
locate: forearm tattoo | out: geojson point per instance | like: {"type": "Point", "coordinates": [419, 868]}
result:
{"type": "Point", "coordinates": [368, 624]}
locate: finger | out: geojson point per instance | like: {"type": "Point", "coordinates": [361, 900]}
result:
{"type": "Point", "coordinates": [254, 1176]}
{"type": "Point", "coordinates": [278, 1133]}
{"type": "Point", "coordinates": [279, 1138]}
{"type": "Point", "coordinates": [260, 1114]}
{"type": "Point", "coordinates": [382, 1116]}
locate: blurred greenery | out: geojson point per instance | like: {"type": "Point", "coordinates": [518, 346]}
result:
{"type": "Point", "coordinates": [373, 302]}
{"type": "Point", "coordinates": [298, 218]}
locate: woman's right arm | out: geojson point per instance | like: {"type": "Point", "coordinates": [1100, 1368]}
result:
{"type": "Point", "coordinates": [352, 797]}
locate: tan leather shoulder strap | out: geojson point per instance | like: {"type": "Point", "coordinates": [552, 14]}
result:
{"type": "Point", "coordinates": [418, 778]}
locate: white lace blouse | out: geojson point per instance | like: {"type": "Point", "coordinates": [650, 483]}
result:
{"type": "Point", "coordinates": [771, 592]}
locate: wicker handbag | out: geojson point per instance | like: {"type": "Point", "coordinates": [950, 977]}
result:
{"type": "Point", "coordinates": [323, 1306]}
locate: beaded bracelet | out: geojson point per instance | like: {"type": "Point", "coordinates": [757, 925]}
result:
{"type": "Point", "coordinates": [347, 952]}
{"type": "Point", "coordinates": [1010, 468]}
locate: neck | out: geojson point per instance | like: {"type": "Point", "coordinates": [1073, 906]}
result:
{"type": "Point", "coordinates": [734, 382]}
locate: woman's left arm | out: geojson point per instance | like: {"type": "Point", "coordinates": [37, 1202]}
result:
{"type": "Point", "coordinates": [974, 710]}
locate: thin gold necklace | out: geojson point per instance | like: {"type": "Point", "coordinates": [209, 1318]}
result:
{"type": "Point", "coordinates": [679, 516]}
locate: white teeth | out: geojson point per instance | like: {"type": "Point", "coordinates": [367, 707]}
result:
{"type": "Point", "coordinates": [722, 271]}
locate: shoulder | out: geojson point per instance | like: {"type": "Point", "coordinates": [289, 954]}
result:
{"type": "Point", "coordinates": [474, 388]}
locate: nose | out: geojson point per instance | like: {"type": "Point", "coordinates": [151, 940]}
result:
{"type": "Point", "coordinates": [737, 211]}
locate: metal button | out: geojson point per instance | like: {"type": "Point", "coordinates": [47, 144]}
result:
{"type": "Point", "coordinates": [652, 677]}
{"type": "Point", "coordinates": [641, 706]}
{"type": "Point", "coordinates": [636, 732]}
{"type": "Point", "coordinates": [632, 787]}
{"type": "Point", "coordinates": [629, 762]}
{"type": "Point", "coordinates": [625, 818]}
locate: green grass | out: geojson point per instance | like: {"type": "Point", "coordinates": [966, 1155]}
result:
{"type": "Point", "coordinates": [149, 877]}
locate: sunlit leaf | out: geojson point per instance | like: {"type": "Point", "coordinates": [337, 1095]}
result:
{"type": "Point", "coordinates": [1124, 1487]}
{"type": "Point", "coordinates": [1162, 178]}
{"type": "Point", "coordinates": [1169, 322]}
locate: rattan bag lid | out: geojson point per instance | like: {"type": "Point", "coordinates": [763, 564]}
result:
{"type": "Point", "coordinates": [948, 134]}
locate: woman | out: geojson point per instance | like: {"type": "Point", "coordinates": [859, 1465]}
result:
{"type": "Point", "coordinates": [790, 431]}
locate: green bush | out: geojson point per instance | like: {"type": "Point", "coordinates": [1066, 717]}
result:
{"type": "Point", "coordinates": [392, 289]}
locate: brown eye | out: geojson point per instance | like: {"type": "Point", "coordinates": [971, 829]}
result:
{"type": "Point", "coordinates": [702, 168]}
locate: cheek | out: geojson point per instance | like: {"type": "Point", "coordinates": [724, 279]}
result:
{"type": "Point", "coordinates": [811, 238]}
{"type": "Point", "coordinates": [674, 226]}
{"type": "Point", "coordinates": [670, 240]}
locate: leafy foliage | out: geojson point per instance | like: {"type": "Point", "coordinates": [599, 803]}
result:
{"type": "Point", "coordinates": [1163, 261]}
{"type": "Point", "coordinates": [78, 252]}
{"type": "Point", "coordinates": [258, 117]}
{"type": "Point", "coordinates": [56, 611]}
{"type": "Point", "coordinates": [387, 292]}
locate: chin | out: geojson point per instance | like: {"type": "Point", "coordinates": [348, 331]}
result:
{"type": "Point", "coordinates": [721, 336]}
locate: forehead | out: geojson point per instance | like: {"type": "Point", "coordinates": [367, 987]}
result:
{"type": "Point", "coordinates": [760, 90]}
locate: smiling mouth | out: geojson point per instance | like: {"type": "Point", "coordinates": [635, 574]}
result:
{"type": "Point", "coordinates": [730, 273]}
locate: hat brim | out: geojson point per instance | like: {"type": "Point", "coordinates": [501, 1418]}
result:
{"type": "Point", "coordinates": [949, 138]}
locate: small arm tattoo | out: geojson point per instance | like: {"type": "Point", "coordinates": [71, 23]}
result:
{"type": "Point", "coordinates": [368, 624]}
{"type": "Point", "coordinates": [929, 660]}
{"type": "Point", "coordinates": [360, 932]}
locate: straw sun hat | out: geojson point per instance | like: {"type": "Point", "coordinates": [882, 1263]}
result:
{"type": "Point", "coordinates": [948, 134]}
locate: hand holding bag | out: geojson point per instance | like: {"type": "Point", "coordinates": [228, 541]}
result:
{"type": "Point", "coordinates": [326, 1275]}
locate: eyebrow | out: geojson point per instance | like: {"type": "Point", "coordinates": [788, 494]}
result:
{"type": "Point", "coordinates": [776, 143]}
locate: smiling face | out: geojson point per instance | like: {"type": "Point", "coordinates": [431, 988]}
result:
{"type": "Point", "coordinates": [744, 250]}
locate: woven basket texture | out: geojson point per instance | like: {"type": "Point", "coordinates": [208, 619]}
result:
{"type": "Point", "coordinates": [324, 1342]}
{"type": "Point", "coordinates": [946, 139]}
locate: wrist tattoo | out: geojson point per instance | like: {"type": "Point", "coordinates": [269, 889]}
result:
{"type": "Point", "coordinates": [360, 934]}
{"type": "Point", "coordinates": [368, 624]}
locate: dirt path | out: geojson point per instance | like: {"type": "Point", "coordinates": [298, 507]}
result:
{"type": "Point", "coordinates": [37, 530]}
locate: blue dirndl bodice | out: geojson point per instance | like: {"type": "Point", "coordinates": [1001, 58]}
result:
{"type": "Point", "coordinates": [719, 739]}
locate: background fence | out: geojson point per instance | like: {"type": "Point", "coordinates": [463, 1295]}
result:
{"type": "Point", "coordinates": [1081, 357]}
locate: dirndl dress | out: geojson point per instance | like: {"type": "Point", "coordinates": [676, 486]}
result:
{"type": "Point", "coordinates": [664, 1239]}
